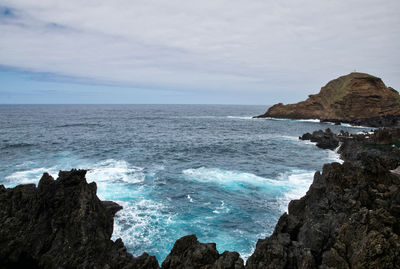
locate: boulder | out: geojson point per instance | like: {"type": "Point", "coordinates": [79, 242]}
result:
{"type": "Point", "coordinates": [189, 253]}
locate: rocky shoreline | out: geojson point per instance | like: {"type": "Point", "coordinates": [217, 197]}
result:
{"type": "Point", "coordinates": [349, 218]}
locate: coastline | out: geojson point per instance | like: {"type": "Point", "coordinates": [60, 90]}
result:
{"type": "Point", "coordinates": [293, 231]}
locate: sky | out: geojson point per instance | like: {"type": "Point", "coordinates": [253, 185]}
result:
{"type": "Point", "coordinates": [183, 51]}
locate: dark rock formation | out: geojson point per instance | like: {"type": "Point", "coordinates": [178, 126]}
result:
{"type": "Point", "coordinates": [383, 144]}
{"type": "Point", "coordinates": [349, 218]}
{"type": "Point", "coordinates": [357, 98]}
{"type": "Point", "coordinates": [61, 224]}
{"type": "Point", "coordinates": [188, 253]}
{"type": "Point", "coordinates": [324, 140]}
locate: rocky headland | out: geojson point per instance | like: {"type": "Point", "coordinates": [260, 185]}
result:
{"type": "Point", "coordinates": [357, 98]}
{"type": "Point", "coordinates": [349, 218]}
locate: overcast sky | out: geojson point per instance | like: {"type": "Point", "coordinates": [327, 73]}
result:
{"type": "Point", "coordinates": [182, 51]}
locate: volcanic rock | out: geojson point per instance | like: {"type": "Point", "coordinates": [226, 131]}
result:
{"type": "Point", "coordinates": [61, 224]}
{"type": "Point", "coordinates": [324, 140]}
{"type": "Point", "coordinates": [357, 98]}
{"type": "Point", "coordinates": [349, 218]}
{"type": "Point", "coordinates": [188, 253]}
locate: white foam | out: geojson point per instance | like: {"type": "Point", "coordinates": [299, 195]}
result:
{"type": "Point", "coordinates": [227, 178]}
{"type": "Point", "coordinates": [301, 120]}
{"type": "Point", "coordinates": [240, 117]}
{"type": "Point", "coordinates": [356, 126]}
{"type": "Point", "coordinates": [310, 120]}
{"type": "Point", "coordinates": [221, 209]}
{"type": "Point", "coordinates": [118, 171]}
{"type": "Point", "coordinates": [115, 171]}
{"type": "Point", "coordinates": [290, 138]}
{"type": "Point", "coordinates": [334, 155]}
{"type": "Point", "coordinates": [138, 223]}
{"type": "Point", "coordinates": [288, 186]}
{"type": "Point", "coordinates": [31, 176]}
{"type": "Point", "coordinates": [299, 182]}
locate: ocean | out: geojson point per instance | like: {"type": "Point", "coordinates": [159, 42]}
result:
{"type": "Point", "coordinates": [209, 170]}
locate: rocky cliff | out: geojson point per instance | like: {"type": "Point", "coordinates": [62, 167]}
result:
{"type": "Point", "coordinates": [350, 216]}
{"type": "Point", "coordinates": [61, 224]}
{"type": "Point", "coordinates": [357, 98]}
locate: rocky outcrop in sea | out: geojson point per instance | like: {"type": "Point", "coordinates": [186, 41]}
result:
{"type": "Point", "coordinates": [349, 218]}
{"type": "Point", "coordinates": [324, 140]}
{"type": "Point", "coordinates": [357, 98]}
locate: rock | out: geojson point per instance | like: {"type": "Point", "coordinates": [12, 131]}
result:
{"type": "Point", "coordinates": [382, 143]}
{"type": "Point", "coordinates": [324, 140]}
{"type": "Point", "coordinates": [357, 98]}
{"type": "Point", "coordinates": [61, 224]}
{"type": "Point", "coordinates": [189, 253]}
{"type": "Point", "coordinates": [344, 221]}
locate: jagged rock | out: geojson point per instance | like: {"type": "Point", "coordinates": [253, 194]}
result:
{"type": "Point", "coordinates": [61, 224]}
{"type": "Point", "coordinates": [357, 98]}
{"type": "Point", "coordinates": [382, 143]}
{"type": "Point", "coordinates": [189, 253]}
{"type": "Point", "coordinates": [348, 219]}
{"type": "Point", "coordinates": [324, 140]}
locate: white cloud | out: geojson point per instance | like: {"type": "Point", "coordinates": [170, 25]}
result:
{"type": "Point", "coordinates": [211, 44]}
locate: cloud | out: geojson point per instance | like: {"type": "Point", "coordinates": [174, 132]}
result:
{"type": "Point", "coordinates": [227, 45]}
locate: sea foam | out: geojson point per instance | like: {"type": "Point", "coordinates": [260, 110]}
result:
{"type": "Point", "coordinates": [289, 185]}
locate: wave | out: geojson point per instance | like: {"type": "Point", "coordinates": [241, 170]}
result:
{"type": "Point", "coordinates": [297, 182]}
{"type": "Point", "coordinates": [334, 155]}
{"type": "Point", "coordinates": [141, 223]}
{"type": "Point", "coordinates": [356, 126]}
{"type": "Point", "coordinates": [18, 145]}
{"type": "Point", "coordinates": [30, 176]}
{"type": "Point", "coordinates": [347, 125]}
{"type": "Point", "coordinates": [291, 185]}
{"type": "Point", "coordinates": [284, 119]}
{"type": "Point", "coordinates": [110, 170]}
{"type": "Point", "coordinates": [226, 178]}
{"type": "Point", "coordinates": [240, 117]}
{"type": "Point", "coordinates": [79, 125]}
{"type": "Point", "coordinates": [116, 171]}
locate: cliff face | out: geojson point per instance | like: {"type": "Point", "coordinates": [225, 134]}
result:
{"type": "Point", "coordinates": [61, 224]}
{"type": "Point", "coordinates": [355, 98]}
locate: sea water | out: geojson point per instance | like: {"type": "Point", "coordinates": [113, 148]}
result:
{"type": "Point", "coordinates": [209, 170]}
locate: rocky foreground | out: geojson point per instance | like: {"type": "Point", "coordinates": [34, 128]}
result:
{"type": "Point", "coordinates": [357, 98]}
{"type": "Point", "coordinates": [349, 218]}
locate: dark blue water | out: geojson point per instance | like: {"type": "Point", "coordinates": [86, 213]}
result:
{"type": "Point", "coordinates": [177, 169]}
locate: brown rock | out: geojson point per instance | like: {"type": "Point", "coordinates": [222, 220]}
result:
{"type": "Point", "coordinates": [355, 98]}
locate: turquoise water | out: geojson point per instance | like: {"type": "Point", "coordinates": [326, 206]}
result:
{"type": "Point", "coordinates": [176, 169]}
